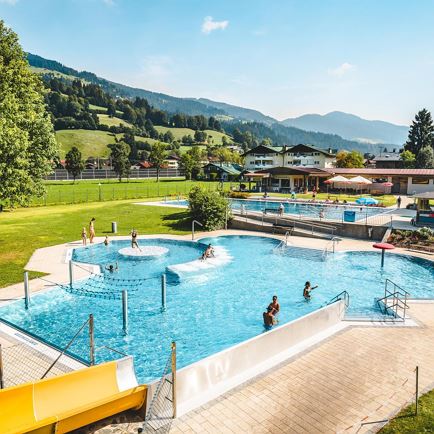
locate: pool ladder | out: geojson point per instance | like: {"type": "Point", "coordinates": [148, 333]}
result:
{"type": "Point", "coordinates": [284, 243]}
{"type": "Point", "coordinates": [330, 247]}
{"type": "Point", "coordinates": [394, 301]}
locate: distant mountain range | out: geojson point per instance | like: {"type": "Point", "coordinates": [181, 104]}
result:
{"type": "Point", "coordinates": [351, 127]}
{"type": "Point", "coordinates": [337, 130]}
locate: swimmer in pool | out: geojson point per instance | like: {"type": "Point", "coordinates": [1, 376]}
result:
{"type": "Point", "coordinates": [275, 306]}
{"type": "Point", "coordinates": [208, 253]}
{"type": "Point", "coordinates": [307, 289]}
{"type": "Point", "coordinates": [268, 317]}
{"type": "Point", "coordinates": [111, 268]}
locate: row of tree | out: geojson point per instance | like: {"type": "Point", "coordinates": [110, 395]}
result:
{"type": "Point", "coordinates": [70, 105]}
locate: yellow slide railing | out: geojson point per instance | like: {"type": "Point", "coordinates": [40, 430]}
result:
{"type": "Point", "coordinates": [72, 400]}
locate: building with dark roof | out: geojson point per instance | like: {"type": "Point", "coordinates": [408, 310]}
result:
{"type": "Point", "coordinates": [265, 157]}
{"type": "Point", "coordinates": [223, 171]}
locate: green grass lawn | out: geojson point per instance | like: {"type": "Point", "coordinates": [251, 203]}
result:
{"type": "Point", "coordinates": [180, 132]}
{"type": "Point", "coordinates": [24, 230]}
{"type": "Point", "coordinates": [66, 192]}
{"type": "Point", "coordinates": [112, 121]}
{"type": "Point", "coordinates": [91, 143]}
{"type": "Point", "coordinates": [407, 423]}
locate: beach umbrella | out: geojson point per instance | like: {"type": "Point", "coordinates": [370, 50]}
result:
{"type": "Point", "coordinates": [360, 181]}
{"type": "Point", "coordinates": [338, 178]}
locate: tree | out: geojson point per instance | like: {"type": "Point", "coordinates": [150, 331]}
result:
{"type": "Point", "coordinates": [119, 157]}
{"type": "Point", "coordinates": [353, 159]}
{"type": "Point", "coordinates": [409, 159]}
{"type": "Point", "coordinates": [199, 136]}
{"type": "Point", "coordinates": [421, 133]}
{"type": "Point", "coordinates": [27, 142]}
{"type": "Point", "coordinates": [168, 137]}
{"type": "Point", "coordinates": [157, 157]}
{"type": "Point", "coordinates": [425, 158]}
{"type": "Point", "coordinates": [73, 162]}
{"type": "Point", "coordinates": [209, 208]}
{"type": "Point", "coordinates": [187, 164]}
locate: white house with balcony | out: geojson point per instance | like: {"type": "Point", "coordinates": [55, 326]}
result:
{"type": "Point", "coordinates": [267, 157]}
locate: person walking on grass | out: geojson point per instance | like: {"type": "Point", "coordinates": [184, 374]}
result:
{"type": "Point", "coordinates": [84, 236]}
{"type": "Point", "coordinates": [92, 230]}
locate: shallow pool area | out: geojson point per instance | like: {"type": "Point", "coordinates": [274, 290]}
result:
{"type": "Point", "coordinates": [208, 309]}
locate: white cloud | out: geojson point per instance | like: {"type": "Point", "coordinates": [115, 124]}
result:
{"type": "Point", "coordinates": [9, 2]}
{"type": "Point", "coordinates": [156, 73]}
{"type": "Point", "coordinates": [341, 70]}
{"type": "Point", "coordinates": [109, 2]}
{"type": "Point", "coordinates": [209, 25]}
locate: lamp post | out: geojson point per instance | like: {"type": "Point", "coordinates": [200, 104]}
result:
{"type": "Point", "coordinates": [99, 192]}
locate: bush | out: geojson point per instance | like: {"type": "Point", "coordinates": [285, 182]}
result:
{"type": "Point", "coordinates": [209, 208]}
{"type": "Point", "coordinates": [239, 195]}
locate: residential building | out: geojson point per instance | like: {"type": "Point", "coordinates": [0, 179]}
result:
{"type": "Point", "coordinates": [265, 157]}
{"type": "Point", "coordinates": [172, 162]}
{"type": "Point", "coordinates": [388, 160]}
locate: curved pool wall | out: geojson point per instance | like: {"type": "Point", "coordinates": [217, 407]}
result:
{"type": "Point", "coordinates": [328, 211]}
{"type": "Point", "coordinates": [215, 309]}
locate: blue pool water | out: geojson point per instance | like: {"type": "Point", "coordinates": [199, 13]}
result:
{"type": "Point", "coordinates": [330, 211]}
{"type": "Point", "coordinates": [213, 309]}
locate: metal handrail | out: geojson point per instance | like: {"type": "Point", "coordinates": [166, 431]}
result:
{"type": "Point", "coordinates": [395, 285]}
{"type": "Point", "coordinates": [341, 296]}
{"type": "Point", "coordinates": [333, 241]}
{"type": "Point", "coordinates": [92, 350]}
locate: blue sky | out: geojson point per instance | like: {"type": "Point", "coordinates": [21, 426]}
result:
{"type": "Point", "coordinates": [282, 57]}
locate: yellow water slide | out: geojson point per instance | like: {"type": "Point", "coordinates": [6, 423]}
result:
{"type": "Point", "coordinates": [70, 401]}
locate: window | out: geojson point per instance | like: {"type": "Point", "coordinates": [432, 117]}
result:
{"type": "Point", "coordinates": [420, 181]}
{"type": "Point", "coordinates": [316, 162]}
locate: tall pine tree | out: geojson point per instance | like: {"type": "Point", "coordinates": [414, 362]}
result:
{"type": "Point", "coordinates": [421, 133]}
{"type": "Point", "coordinates": [27, 142]}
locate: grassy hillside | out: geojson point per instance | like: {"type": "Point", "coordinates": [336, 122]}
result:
{"type": "Point", "coordinates": [91, 143]}
{"type": "Point", "coordinates": [112, 121]}
{"type": "Point", "coordinates": [180, 132]}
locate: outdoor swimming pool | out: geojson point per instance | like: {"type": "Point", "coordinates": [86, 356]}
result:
{"type": "Point", "coordinates": [330, 211]}
{"type": "Point", "coordinates": [213, 309]}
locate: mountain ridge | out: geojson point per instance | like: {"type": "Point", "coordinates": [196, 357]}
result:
{"type": "Point", "coordinates": [201, 106]}
{"type": "Point", "coordinates": [351, 127]}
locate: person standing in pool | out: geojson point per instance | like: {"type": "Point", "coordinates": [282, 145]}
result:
{"type": "Point", "coordinates": [268, 318]}
{"type": "Point", "coordinates": [281, 209]}
{"type": "Point", "coordinates": [275, 306]}
{"type": "Point", "coordinates": [92, 230]}
{"type": "Point", "coordinates": [307, 289]}
{"type": "Point", "coordinates": [84, 236]}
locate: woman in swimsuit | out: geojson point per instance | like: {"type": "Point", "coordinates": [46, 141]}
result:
{"type": "Point", "coordinates": [84, 236]}
{"type": "Point", "coordinates": [91, 230]}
